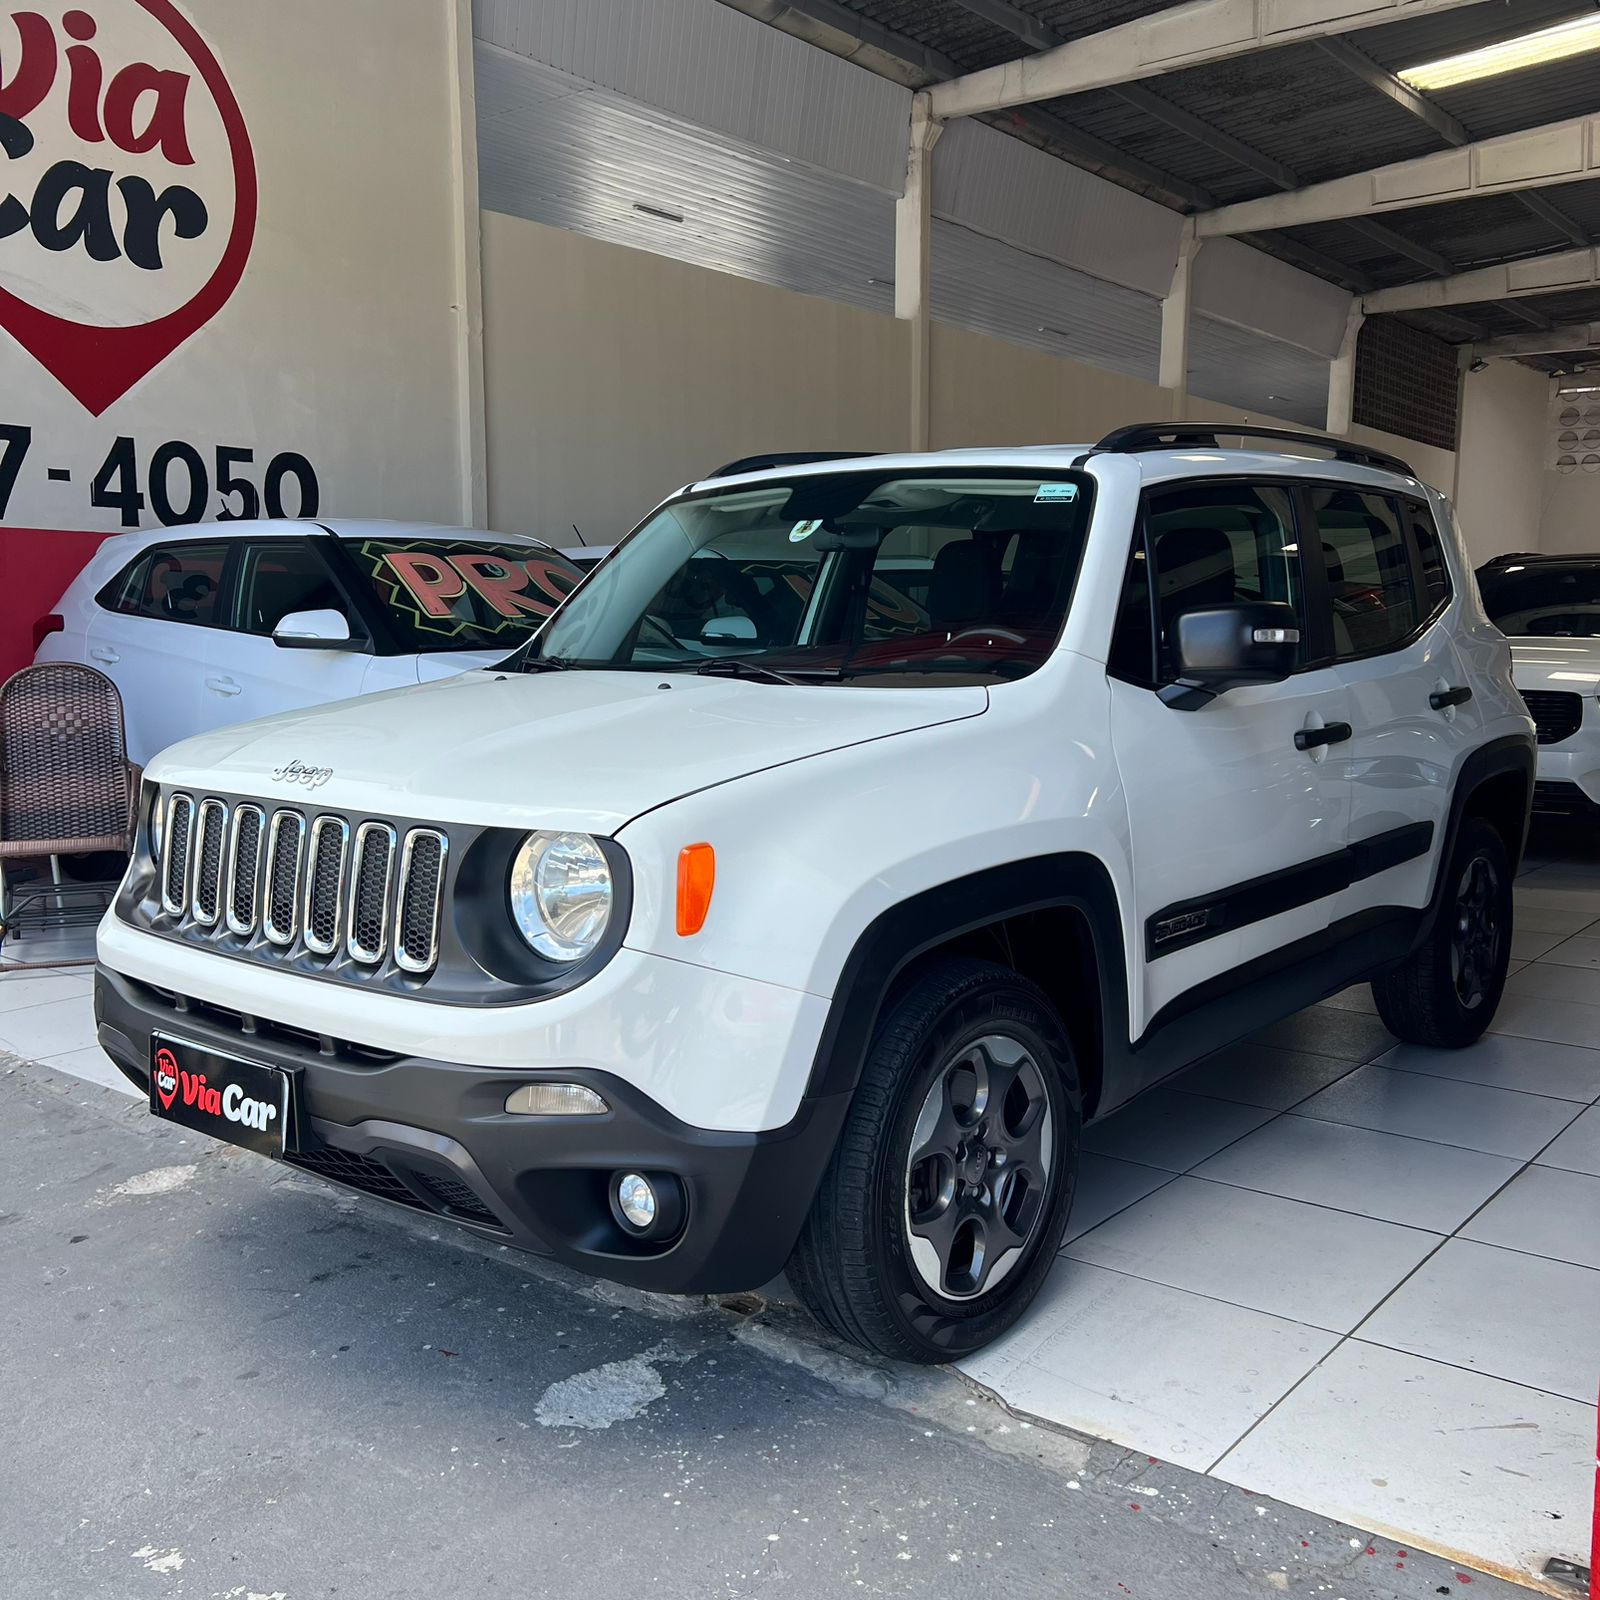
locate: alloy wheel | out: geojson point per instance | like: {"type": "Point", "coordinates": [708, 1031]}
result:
{"type": "Point", "coordinates": [1476, 936]}
{"type": "Point", "coordinates": [977, 1178]}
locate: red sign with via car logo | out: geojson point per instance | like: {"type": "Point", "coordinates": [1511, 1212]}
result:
{"type": "Point", "coordinates": [127, 189]}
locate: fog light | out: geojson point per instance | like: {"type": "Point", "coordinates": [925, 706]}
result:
{"type": "Point", "coordinates": [636, 1200]}
{"type": "Point", "coordinates": [555, 1100]}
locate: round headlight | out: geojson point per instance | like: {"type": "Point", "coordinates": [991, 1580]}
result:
{"type": "Point", "coordinates": [561, 894]}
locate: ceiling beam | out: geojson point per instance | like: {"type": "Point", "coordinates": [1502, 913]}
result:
{"type": "Point", "coordinates": [1559, 152]}
{"type": "Point", "coordinates": [1555, 273]}
{"type": "Point", "coordinates": [1440, 120]}
{"type": "Point", "coordinates": [1566, 340]}
{"type": "Point", "coordinates": [1167, 41]}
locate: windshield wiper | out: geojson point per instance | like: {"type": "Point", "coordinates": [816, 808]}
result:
{"type": "Point", "coordinates": [533, 663]}
{"type": "Point", "coordinates": [744, 667]}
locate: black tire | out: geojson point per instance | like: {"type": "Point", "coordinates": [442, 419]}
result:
{"type": "Point", "coordinates": [1011, 1174]}
{"type": "Point", "coordinates": [1446, 992]}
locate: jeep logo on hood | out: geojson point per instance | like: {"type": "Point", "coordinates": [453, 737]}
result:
{"type": "Point", "coordinates": [299, 772]}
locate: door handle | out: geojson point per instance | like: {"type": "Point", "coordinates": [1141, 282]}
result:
{"type": "Point", "coordinates": [101, 653]}
{"type": "Point", "coordinates": [1314, 738]}
{"type": "Point", "coordinates": [1442, 699]}
{"type": "Point", "coordinates": [224, 686]}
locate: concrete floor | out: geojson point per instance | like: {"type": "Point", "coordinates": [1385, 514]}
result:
{"type": "Point", "coordinates": [224, 1379]}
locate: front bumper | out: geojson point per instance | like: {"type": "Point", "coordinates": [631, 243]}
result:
{"type": "Point", "coordinates": [435, 1136]}
{"type": "Point", "coordinates": [1574, 763]}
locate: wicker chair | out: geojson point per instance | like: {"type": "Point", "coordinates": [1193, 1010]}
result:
{"type": "Point", "coordinates": [66, 784]}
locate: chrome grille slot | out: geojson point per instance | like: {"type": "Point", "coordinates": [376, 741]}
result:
{"type": "Point", "coordinates": [178, 846]}
{"type": "Point", "coordinates": [285, 843]}
{"type": "Point", "coordinates": [330, 849]}
{"type": "Point", "coordinates": [1557, 713]}
{"type": "Point", "coordinates": [244, 867]}
{"type": "Point", "coordinates": [416, 940]}
{"type": "Point", "coordinates": [367, 936]}
{"type": "Point", "coordinates": [211, 833]}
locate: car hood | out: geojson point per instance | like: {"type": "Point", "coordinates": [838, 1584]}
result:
{"type": "Point", "coordinates": [581, 750]}
{"type": "Point", "coordinates": [1570, 664]}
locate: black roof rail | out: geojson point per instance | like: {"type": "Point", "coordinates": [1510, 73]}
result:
{"type": "Point", "coordinates": [787, 458]}
{"type": "Point", "coordinates": [1205, 435]}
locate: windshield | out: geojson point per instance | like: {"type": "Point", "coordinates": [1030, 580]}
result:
{"type": "Point", "coordinates": [1544, 601]}
{"type": "Point", "coordinates": [463, 594]}
{"type": "Point", "coordinates": [837, 577]}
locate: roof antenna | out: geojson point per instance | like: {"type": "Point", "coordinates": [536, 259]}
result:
{"type": "Point", "coordinates": [581, 540]}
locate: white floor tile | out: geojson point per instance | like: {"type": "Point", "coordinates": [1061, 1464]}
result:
{"type": "Point", "coordinates": [1503, 1061]}
{"type": "Point", "coordinates": [1453, 1461]}
{"type": "Point", "coordinates": [1541, 919]}
{"type": "Point", "coordinates": [1527, 945]}
{"type": "Point", "coordinates": [1558, 1021]}
{"type": "Point", "coordinates": [1324, 1268]}
{"type": "Point", "coordinates": [50, 1030]}
{"type": "Point", "coordinates": [1515, 1316]}
{"type": "Point", "coordinates": [1546, 1212]}
{"type": "Point", "coordinates": [20, 990]}
{"type": "Point", "coordinates": [1578, 1149]}
{"type": "Point", "coordinates": [1327, 1031]}
{"type": "Point", "coordinates": [1575, 896]}
{"type": "Point", "coordinates": [1356, 998]}
{"type": "Point", "coordinates": [94, 1066]}
{"type": "Point", "coordinates": [1498, 1121]}
{"type": "Point", "coordinates": [1546, 980]}
{"type": "Point", "coordinates": [1382, 1175]}
{"type": "Point", "coordinates": [1105, 1187]}
{"type": "Point", "coordinates": [1171, 1130]}
{"type": "Point", "coordinates": [1173, 1374]}
{"type": "Point", "coordinates": [1582, 951]}
{"type": "Point", "coordinates": [1260, 1075]}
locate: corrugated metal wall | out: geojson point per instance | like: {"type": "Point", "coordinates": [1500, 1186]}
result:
{"type": "Point", "coordinates": [782, 163]}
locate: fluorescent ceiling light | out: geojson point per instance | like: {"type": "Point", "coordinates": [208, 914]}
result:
{"type": "Point", "coordinates": [1535, 49]}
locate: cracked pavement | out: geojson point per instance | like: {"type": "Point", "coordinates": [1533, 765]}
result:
{"type": "Point", "coordinates": [226, 1379]}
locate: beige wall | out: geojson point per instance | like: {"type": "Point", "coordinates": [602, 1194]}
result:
{"type": "Point", "coordinates": [1501, 473]}
{"type": "Point", "coordinates": [613, 376]}
{"type": "Point", "coordinates": [1571, 513]}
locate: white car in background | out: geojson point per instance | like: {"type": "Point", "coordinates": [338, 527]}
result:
{"type": "Point", "coordinates": [201, 627]}
{"type": "Point", "coordinates": [1549, 607]}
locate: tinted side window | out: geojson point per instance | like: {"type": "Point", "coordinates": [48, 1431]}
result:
{"type": "Point", "coordinates": [276, 577]}
{"type": "Point", "coordinates": [1215, 544]}
{"type": "Point", "coordinates": [171, 583]}
{"type": "Point", "coordinates": [1430, 548]}
{"type": "Point", "coordinates": [1132, 656]}
{"type": "Point", "coordinates": [1369, 571]}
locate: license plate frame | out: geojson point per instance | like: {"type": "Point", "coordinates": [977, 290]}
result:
{"type": "Point", "coordinates": [225, 1096]}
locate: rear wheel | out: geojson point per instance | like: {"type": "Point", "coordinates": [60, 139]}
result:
{"type": "Point", "coordinates": [943, 1206]}
{"type": "Point", "coordinates": [1445, 993]}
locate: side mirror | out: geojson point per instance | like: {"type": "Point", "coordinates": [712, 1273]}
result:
{"type": "Point", "coordinates": [728, 630]}
{"type": "Point", "coordinates": [313, 630]}
{"type": "Point", "coordinates": [1220, 648]}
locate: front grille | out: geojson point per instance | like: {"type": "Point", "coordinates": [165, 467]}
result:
{"type": "Point", "coordinates": [456, 1198]}
{"type": "Point", "coordinates": [178, 844]}
{"type": "Point", "coordinates": [211, 833]}
{"type": "Point", "coordinates": [421, 882]}
{"type": "Point", "coordinates": [318, 885]}
{"type": "Point", "coordinates": [330, 843]}
{"type": "Point", "coordinates": [368, 933]}
{"type": "Point", "coordinates": [359, 1172]}
{"type": "Point", "coordinates": [244, 867]}
{"type": "Point", "coordinates": [1556, 713]}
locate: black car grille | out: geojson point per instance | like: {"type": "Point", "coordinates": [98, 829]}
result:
{"type": "Point", "coordinates": [303, 884]}
{"type": "Point", "coordinates": [359, 1172]}
{"type": "Point", "coordinates": [1556, 713]}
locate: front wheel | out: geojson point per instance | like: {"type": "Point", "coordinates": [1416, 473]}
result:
{"type": "Point", "coordinates": [943, 1206]}
{"type": "Point", "coordinates": [1446, 992]}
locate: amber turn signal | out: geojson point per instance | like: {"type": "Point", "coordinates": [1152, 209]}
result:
{"type": "Point", "coordinates": [697, 876]}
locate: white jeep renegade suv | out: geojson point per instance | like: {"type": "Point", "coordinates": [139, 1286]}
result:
{"type": "Point", "coordinates": [763, 916]}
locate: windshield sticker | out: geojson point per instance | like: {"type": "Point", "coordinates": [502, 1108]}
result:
{"type": "Point", "coordinates": [454, 590]}
{"type": "Point", "coordinates": [1060, 492]}
{"type": "Point", "coordinates": [802, 531]}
